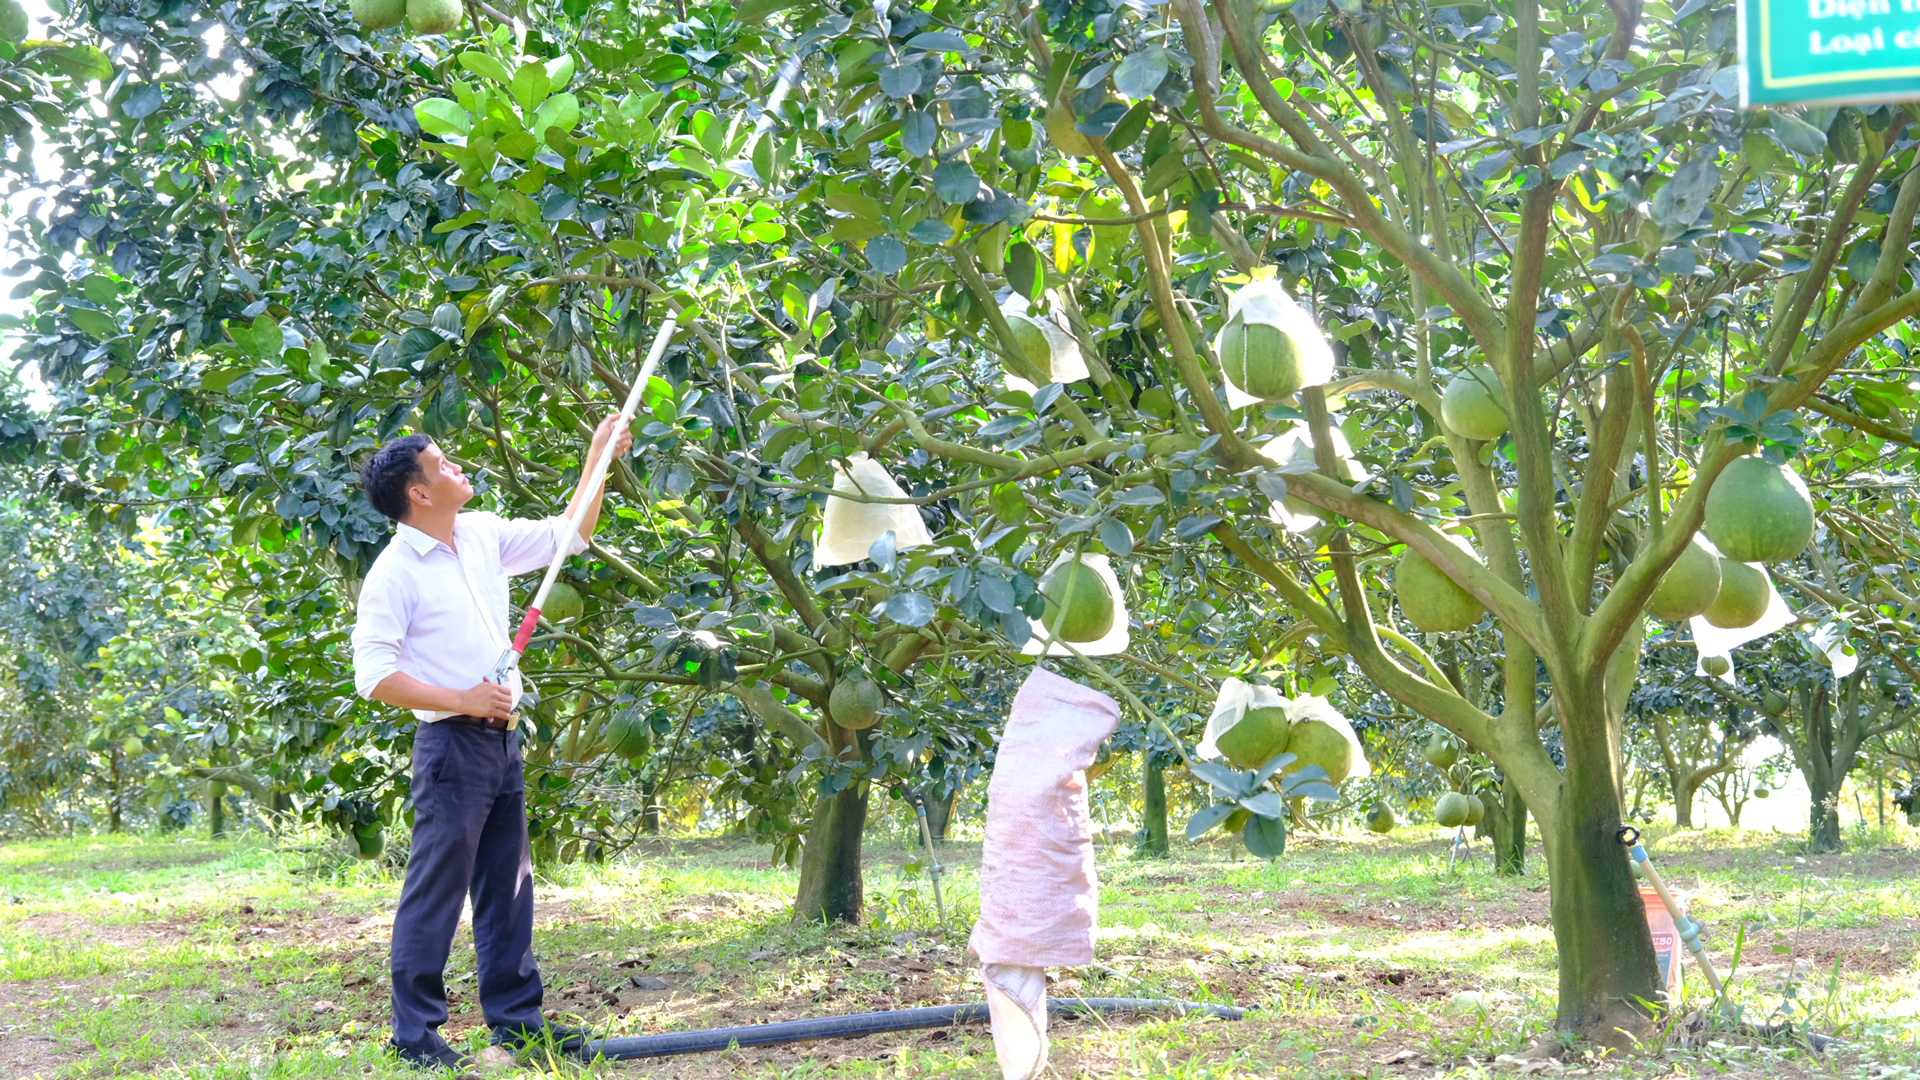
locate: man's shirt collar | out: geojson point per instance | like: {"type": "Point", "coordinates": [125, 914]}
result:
{"type": "Point", "coordinates": [420, 542]}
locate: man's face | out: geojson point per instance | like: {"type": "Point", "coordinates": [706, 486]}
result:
{"type": "Point", "coordinates": [445, 485]}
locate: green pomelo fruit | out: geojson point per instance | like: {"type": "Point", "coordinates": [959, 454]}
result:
{"type": "Point", "coordinates": [1476, 811]}
{"type": "Point", "coordinates": [434, 16]}
{"type": "Point", "coordinates": [855, 703]}
{"type": "Point", "coordinates": [369, 842]}
{"type": "Point", "coordinates": [1773, 703]}
{"type": "Point", "coordinates": [1317, 743]}
{"type": "Point", "coordinates": [1033, 344]}
{"type": "Point", "coordinates": [1766, 793]}
{"type": "Point", "coordinates": [546, 848]}
{"type": "Point", "coordinates": [1689, 586]}
{"type": "Point", "coordinates": [1380, 818]}
{"type": "Point", "coordinates": [1263, 360]}
{"type": "Point", "coordinates": [629, 735]}
{"type": "Point", "coordinates": [1759, 512]}
{"type": "Point", "coordinates": [1742, 599]}
{"type": "Point", "coordinates": [1429, 599]}
{"type": "Point", "coordinates": [564, 603]}
{"type": "Point", "coordinates": [14, 23]}
{"type": "Point", "coordinates": [1260, 734]}
{"type": "Point", "coordinates": [1716, 665]}
{"type": "Point", "coordinates": [1473, 406]}
{"type": "Point", "coordinates": [1157, 402]}
{"type": "Point", "coordinates": [1060, 132]}
{"type": "Point", "coordinates": [1450, 810]}
{"type": "Point", "coordinates": [378, 14]}
{"type": "Point", "coordinates": [1441, 751]}
{"type": "Point", "coordinates": [1078, 608]}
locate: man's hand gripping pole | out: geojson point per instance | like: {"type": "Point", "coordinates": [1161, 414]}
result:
{"type": "Point", "coordinates": [597, 475]}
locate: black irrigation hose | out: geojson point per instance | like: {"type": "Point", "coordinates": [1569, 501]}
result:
{"type": "Point", "coordinates": [874, 1023]}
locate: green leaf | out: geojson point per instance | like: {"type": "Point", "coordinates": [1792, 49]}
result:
{"type": "Point", "coordinates": [268, 340]}
{"type": "Point", "coordinates": [561, 112]}
{"type": "Point", "coordinates": [73, 61]}
{"type": "Point", "coordinates": [484, 65]}
{"type": "Point", "coordinates": [439, 116]}
{"type": "Point", "coordinates": [1266, 838]}
{"type": "Point", "coordinates": [531, 84]}
{"type": "Point", "coordinates": [95, 324]}
{"type": "Point", "coordinates": [1206, 819]}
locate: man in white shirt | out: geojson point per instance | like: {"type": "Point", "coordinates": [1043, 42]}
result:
{"type": "Point", "coordinates": [432, 622]}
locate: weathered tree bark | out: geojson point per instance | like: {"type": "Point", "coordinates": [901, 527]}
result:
{"type": "Point", "coordinates": [1154, 813]}
{"type": "Point", "coordinates": [1608, 972]}
{"type": "Point", "coordinates": [1507, 828]}
{"type": "Point", "coordinates": [831, 886]}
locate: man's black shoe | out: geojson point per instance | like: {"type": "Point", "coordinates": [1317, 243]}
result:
{"type": "Point", "coordinates": [434, 1057]}
{"type": "Point", "coordinates": [568, 1041]}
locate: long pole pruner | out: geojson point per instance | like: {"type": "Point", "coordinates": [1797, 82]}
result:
{"type": "Point", "coordinates": [596, 476]}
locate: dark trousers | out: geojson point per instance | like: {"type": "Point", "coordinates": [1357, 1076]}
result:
{"type": "Point", "coordinates": [469, 837]}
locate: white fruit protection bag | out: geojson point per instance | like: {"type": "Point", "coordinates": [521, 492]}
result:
{"type": "Point", "coordinates": [1039, 894]}
{"type": "Point", "coordinates": [848, 528]}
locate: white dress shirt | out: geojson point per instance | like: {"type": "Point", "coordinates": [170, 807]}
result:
{"type": "Point", "coordinates": [439, 613]}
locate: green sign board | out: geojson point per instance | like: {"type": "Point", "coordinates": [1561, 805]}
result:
{"type": "Point", "coordinates": [1829, 51]}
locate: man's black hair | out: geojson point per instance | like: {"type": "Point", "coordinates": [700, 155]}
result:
{"type": "Point", "coordinates": [387, 473]}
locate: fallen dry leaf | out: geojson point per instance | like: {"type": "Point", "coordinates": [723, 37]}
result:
{"type": "Point", "coordinates": [322, 1006]}
{"type": "Point", "coordinates": [1397, 1057]}
{"type": "Point", "coordinates": [702, 968]}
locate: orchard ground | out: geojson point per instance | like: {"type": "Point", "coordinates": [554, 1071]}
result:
{"type": "Point", "coordinates": [171, 957]}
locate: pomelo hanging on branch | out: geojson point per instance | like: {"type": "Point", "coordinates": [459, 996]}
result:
{"type": "Point", "coordinates": [1322, 736]}
{"type": "Point", "coordinates": [1380, 818]}
{"type": "Point", "coordinates": [1474, 406]}
{"type": "Point", "coordinates": [1744, 596]}
{"type": "Point", "coordinates": [629, 735]}
{"type": "Point", "coordinates": [1078, 607]}
{"type": "Point", "coordinates": [435, 16]}
{"type": "Point", "coordinates": [564, 603]}
{"type": "Point", "coordinates": [1476, 810]}
{"type": "Point", "coordinates": [1759, 512]}
{"type": "Point", "coordinates": [855, 702]}
{"type": "Point", "coordinates": [1048, 348]}
{"type": "Point", "coordinates": [1689, 585]}
{"type": "Point", "coordinates": [1085, 597]}
{"type": "Point", "coordinates": [378, 14]}
{"type": "Point", "coordinates": [1270, 347]}
{"type": "Point", "coordinates": [848, 528]}
{"type": "Point", "coordinates": [1248, 726]}
{"type": "Point", "coordinates": [1429, 598]}
{"type": "Point", "coordinates": [1441, 751]}
{"type": "Point", "coordinates": [1450, 811]}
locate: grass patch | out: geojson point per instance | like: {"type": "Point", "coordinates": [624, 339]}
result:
{"type": "Point", "coordinates": [152, 957]}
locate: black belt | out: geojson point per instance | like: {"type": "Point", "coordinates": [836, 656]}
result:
{"type": "Point", "coordinates": [498, 723]}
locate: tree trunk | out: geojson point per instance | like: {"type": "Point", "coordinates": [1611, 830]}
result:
{"type": "Point", "coordinates": [216, 809]}
{"type": "Point", "coordinates": [1608, 973]}
{"type": "Point", "coordinates": [1683, 804]}
{"type": "Point", "coordinates": [114, 795]}
{"type": "Point", "coordinates": [832, 888]}
{"type": "Point", "coordinates": [649, 810]}
{"type": "Point", "coordinates": [1823, 818]}
{"type": "Point", "coordinates": [1155, 813]}
{"type": "Point", "coordinates": [1508, 829]}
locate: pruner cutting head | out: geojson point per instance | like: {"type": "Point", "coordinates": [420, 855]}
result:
{"type": "Point", "coordinates": [503, 667]}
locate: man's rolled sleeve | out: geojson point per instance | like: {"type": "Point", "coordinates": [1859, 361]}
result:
{"type": "Point", "coordinates": [531, 543]}
{"type": "Point", "coordinates": [378, 632]}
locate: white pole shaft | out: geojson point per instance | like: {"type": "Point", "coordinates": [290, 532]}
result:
{"type": "Point", "coordinates": [597, 474]}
